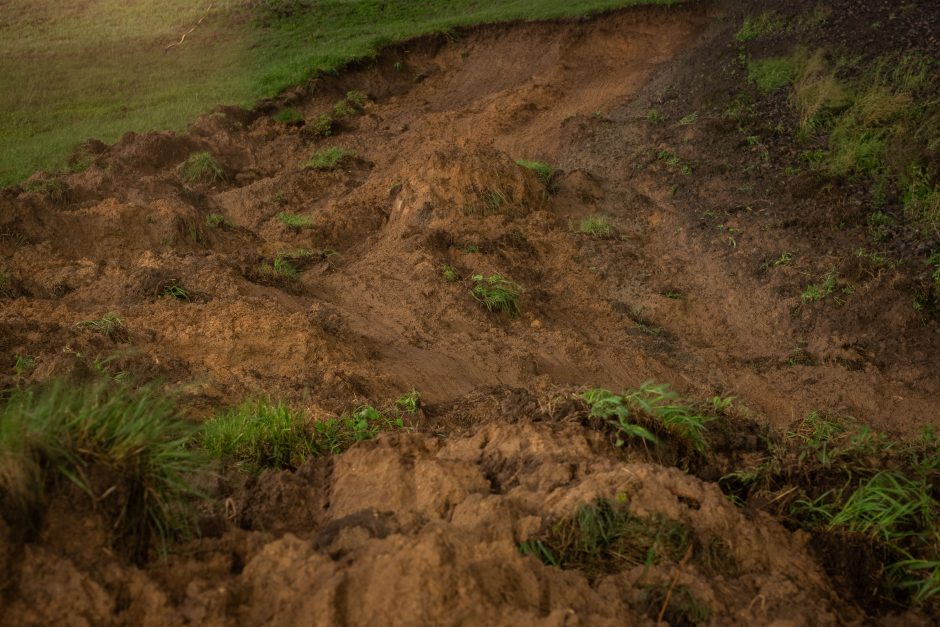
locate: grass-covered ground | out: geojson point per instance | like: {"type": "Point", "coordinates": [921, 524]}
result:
{"type": "Point", "coordinates": [72, 69]}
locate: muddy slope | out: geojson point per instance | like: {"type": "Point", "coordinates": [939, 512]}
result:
{"type": "Point", "coordinates": [436, 142]}
{"type": "Point", "coordinates": [416, 529]}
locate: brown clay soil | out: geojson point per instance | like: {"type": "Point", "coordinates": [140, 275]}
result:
{"type": "Point", "coordinates": [422, 528]}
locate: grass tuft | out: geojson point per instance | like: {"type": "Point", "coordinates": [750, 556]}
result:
{"type": "Point", "coordinates": [642, 412]}
{"type": "Point", "coordinates": [543, 171]}
{"type": "Point", "coordinates": [110, 326]}
{"type": "Point", "coordinates": [497, 293]}
{"type": "Point", "coordinates": [124, 448]}
{"type": "Point", "coordinates": [201, 167]}
{"type": "Point", "coordinates": [596, 226]}
{"type": "Point", "coordinates": [258, 434]}
{"type": "Point", "coordinates": [294, 221]}
{"type": "Point", "coordinates": [328, 158]}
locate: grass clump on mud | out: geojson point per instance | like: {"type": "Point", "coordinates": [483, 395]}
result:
{"type": "Point", "coordinates": [294, 221]}
{"type": "Point", "coordinates": [604, 537]}
{"type": "Point", "coordinates": [125, 449]}
{"type": "Point", "coordinates": [111, 325]}
{"type": "Point", "coordinates": [647, 411]}
{"type": "Point", "coordinates": [544, 172]}
{"type": "Point", "coordinates": [259, 434]}
{"type": "Point", "coordinates": [328, 158]}
{"type": "Point", "coordinates": [868, 500]}
{"type": "Point", "coordinates": [596, 226]}
{"type": "Point", "coordinates": [496, 293]}
{"type": "Point", "coordinates": [201, 167]}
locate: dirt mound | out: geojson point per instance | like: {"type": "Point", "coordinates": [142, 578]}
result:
{"type": "Point", "coordinates": [416, 530]}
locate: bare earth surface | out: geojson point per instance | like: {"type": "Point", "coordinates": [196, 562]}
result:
{"type": "Point", "coordinates": [417, 529]}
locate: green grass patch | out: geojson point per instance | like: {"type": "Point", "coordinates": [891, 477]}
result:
{"type": "Point", "coordinates": [815, 292]}
{"type": "Point", "coordinates": [70, 70]}
{"type": "Point", "coordinates": [294, 221]}
{"type": "Point", "coordinates": [328, 158]}
{"type": "Point", "coordinates": [543, 171]}
{"type": "Point", "coordinates": [497, 293]}
{"type": "Point", "coordinates": [259, 434]}
{"type": "Point", "coordinates": [772, 74]}
{"type": "Point", "coordinates": [124, 448]}
{"type": "Point", "coordinates": [215, 220]}
{"type": "Point", "coordinates": [596, 226]}
{"type": "Point", "coordinates": [201, 167]}
{"type": "Point", "coordinates": [288, 116]}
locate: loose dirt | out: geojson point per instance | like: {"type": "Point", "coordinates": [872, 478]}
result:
{"type": "Point", "coordinates": [423, 528]}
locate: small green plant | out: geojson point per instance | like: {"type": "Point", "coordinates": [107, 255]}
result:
{"type": "Point", "coordinates": [23, 366]}
{"type": "Point", "coordinates": [335, 435]}
{"type": "Point", "coordinates": [215, 220]}
{"type": "Point", "coordinates": [497, 293]}
{"type": "Point", "coordinates": [174, 289]}
{"type": "Point", "coordinates": [596, 226]}
{"type": "Point", "coordinates": [673, 161]}
{"type": "Point", "coordinates": [124, 448]}
{"type": "Point", "coordinates": [653, 116]}
{"type": "Point", "coordinates": [343, 109]}
{"type": "Point", "coordinates": [110, 326]}
{"type": "Point", "coordinates": [356, 98]}
{"type": "Point", "coordinates": [294, 221]}
{"type": "Point", "coordinates": [322, 125]}
{"type": "Point", "coordinates": [785, 259]}
{"type": "Point", "coordinates": [289, 116]}
{"type": "Point", "coordinates": [328, 158]}
{"type": "Point", "coordinates": [688, 119]}
{"type": "Point", "coordinates": [543, 171]}
{"type": "Point", "coordinates": [399, 66]}
{"type": "Point", "coordinates": [409, 402]}
{"type": "Point", "coordinates": [201, 167]}
{"type": "Point", "coordinates": [636, 413]}
{"type": "Point", "coordinates": [449, 273]}
{"type": "Point", "coordinates": [815, 292]}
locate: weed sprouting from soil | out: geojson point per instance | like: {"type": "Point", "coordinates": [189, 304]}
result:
{"type": "Point", "coordinates": [497, 293]}
{"type": "Point", "coordinates": [111, 326]}
{"type": "Point", "coordinates": [294, 221]}
{"type": "Point", "coordinates": [215, 220]}
{"type": "Point", "coordinates": [409, 402]}
{"type": "Point", "coordinates": [652, 408]}
{"type": "Point", "coordinates": [449, 273]}
{"type": "Point", "coordinates": [288, 116]}
{"type": "Point", "coordinates": [259, 434]}
{"type": "Point", "coordinates": [596, 226]}
{"type": "Point", "coordinates": [853, 487]}
{"type": "Point", "coordinates": [328, 158]}
{"type": "Point", "coordinates": [201, 167]}
{"type": "Point", "coordinates": [815, 292]}
{"type": "Point", "coordinates": [285, 264]}
{"type": "Point", "coordinates": [174, 289]}
{"type": "Point", "coordinates": [124, 448]}
{"type": "Point", "coordinates": [543, 171]}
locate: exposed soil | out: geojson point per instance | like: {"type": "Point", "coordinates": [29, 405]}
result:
{"type": "Point", "coordinates": [423, 528]}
